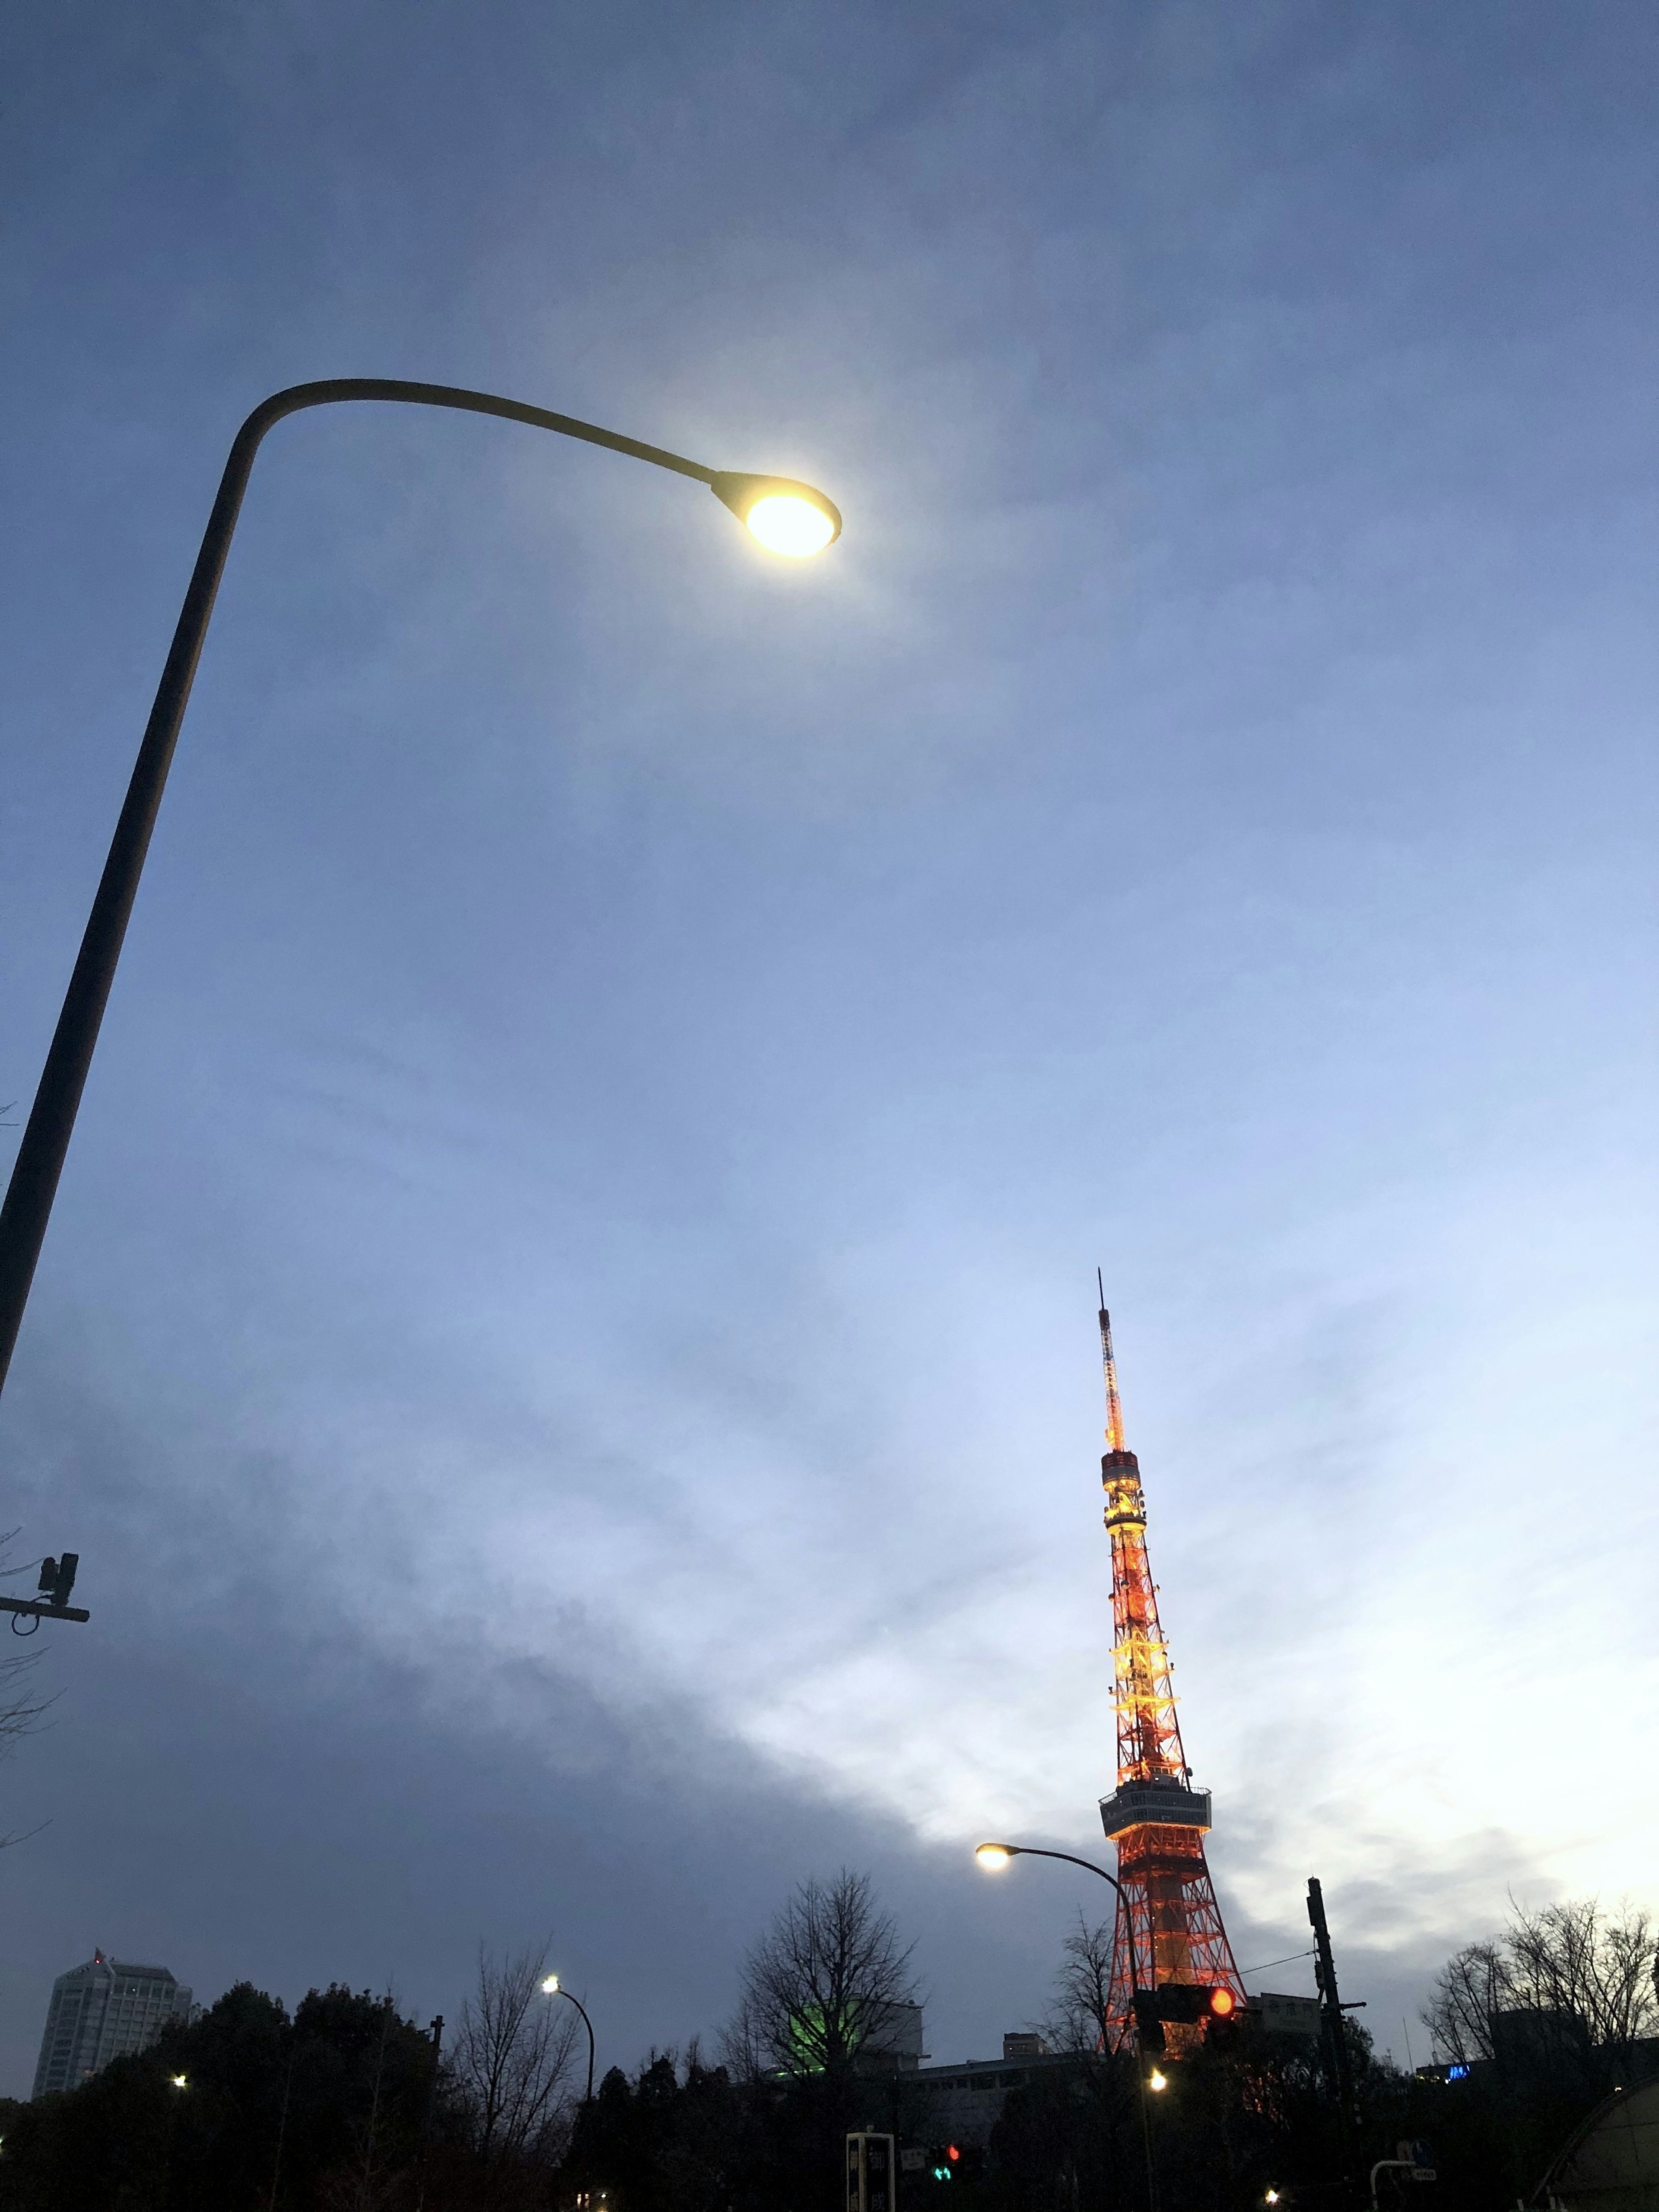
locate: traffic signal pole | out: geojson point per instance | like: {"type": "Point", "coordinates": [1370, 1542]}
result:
{"type": "Point", "coordinates": [1336, 2041]}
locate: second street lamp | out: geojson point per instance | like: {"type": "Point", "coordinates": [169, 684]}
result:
{"type": "Point", "coordinates": [553, 1987]}
{"type": "Point", "coordinates": [994, 1857]}
{"type": "Point", "coordinates": [789, 518]}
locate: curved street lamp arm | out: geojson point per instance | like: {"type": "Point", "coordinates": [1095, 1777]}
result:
{"type": "Point", "coordinates": [588, 2025]}
{"type": "Point", "coordinates": [1032, 1852]}
{"type": "Point", "coordinates": [41, 1155]}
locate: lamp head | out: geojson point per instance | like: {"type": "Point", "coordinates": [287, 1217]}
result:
{"type": "Point", "coordinates": [550, 1986]}
{"type": "Point", "coordinates": [1157, 2080]}
{"type": "Point", "coordinates": [179, 2081]}
{"type": "Point", "coordinates": [994, 1857]}
{"type": "Point", "coordinates": [787, 518]}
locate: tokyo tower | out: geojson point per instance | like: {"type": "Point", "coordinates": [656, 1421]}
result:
{"type": "Point", "coordinates": [1155, 1817]}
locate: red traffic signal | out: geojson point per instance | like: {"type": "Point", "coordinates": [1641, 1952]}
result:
{"type": "Point", "coordinates": [1191, 2004]}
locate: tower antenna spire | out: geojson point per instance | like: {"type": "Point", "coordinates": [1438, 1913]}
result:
{"type": "Point", "coordinates": [1114, 1409]}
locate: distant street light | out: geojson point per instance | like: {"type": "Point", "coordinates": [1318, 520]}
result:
{"type": "Point", "coordinates": [791, 518]}
{"type": "Point", "coordinates": [552, 1988]}
{"type": "Point", "coordinates": [994, 1857]}
{"type": "Point", "coordinates": [179, 2081]}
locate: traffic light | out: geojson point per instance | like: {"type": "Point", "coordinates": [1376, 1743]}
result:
{"type": "Point", "coordinates": [944, 2161]}
{"type": "Point", "coordinates": [1185, 2004]}
{"type": "Point", "coordinates": [58, 1577]}
{"type": "Point", "coordinates": [1149, 2020]}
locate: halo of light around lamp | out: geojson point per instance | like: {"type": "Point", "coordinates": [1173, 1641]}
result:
{"type": "Point", "coordinates": [789, 518]}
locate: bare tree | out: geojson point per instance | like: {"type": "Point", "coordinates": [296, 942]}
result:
{"type": "Point", "coordinates": [21, 1707]}
{"type": "Point", "coordinates": [1589, 1973]}
{"type": "Point", "coordinates": [1469, 1989]}
{"type": "Point", "coordinates": [1079, 2017]}
{"type": "Point", "coordinates": [512, 2052]}
{"type": "Point", "coordinates": [827, 1978]}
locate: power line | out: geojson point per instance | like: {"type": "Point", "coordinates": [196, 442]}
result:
{"type": "Point", "coordinates": [1266, 1963]}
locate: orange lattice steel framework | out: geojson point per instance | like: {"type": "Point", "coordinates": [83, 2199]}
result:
{"type": "Point", "coordinates": [1155, 1817]}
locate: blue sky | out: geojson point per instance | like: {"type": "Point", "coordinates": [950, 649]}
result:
{"type": "Point", "coordinates": [566, 1343]}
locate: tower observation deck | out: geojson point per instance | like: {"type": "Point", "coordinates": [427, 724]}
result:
{"type": "Point", "coordinates": [1155, 1817]}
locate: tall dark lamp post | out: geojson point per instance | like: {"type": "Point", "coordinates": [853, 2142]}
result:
{"type": "Point", "coordinates": [552, 1987]}
{"type": "Point", "coordinates": [789, 518]}
{"type": "Point", "coordinates": [994, 1857]}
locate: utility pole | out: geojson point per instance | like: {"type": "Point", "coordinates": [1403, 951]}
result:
{"type": "Point", "coordinates": [1336, 2041]}
{"type": "Point", "coordinates": [426, 2118]}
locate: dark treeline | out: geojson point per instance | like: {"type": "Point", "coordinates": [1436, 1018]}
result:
{"type": "Point", "coordinates": [345, 2106]}
{"type": "Point", "coordinates": [244, 2107]}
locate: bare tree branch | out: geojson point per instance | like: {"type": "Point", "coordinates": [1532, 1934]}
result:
{"type": "Point", "coordinates": [21, 1709]}
{"type": "Point", "coordinates": [828, 1977]}
{"type": "Point", "coordinates": [1078, 2020]}
{"type": "Point", "coordinates": [512, 2051]}
{"type": "Point", "coordinates": [1586, 1977]}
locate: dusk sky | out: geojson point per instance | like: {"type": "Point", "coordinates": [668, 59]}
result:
{"type": "Point", "coordinates": [567, 1346]}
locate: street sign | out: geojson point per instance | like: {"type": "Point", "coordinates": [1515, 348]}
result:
{"type": "Point", "coordinates": [870, 2173]}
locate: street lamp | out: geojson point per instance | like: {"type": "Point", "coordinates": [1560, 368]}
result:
{"type": "Point", "coordinates": [789, 518]}
{"type": "Point", "coordinates": [994, 1857]}
{"type": "Point", "coordinates": [553, 1987]}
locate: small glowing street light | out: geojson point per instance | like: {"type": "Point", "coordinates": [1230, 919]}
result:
{"type": "Point", "coordinates": [1157, 2080]}
{"type": "Point", "coordinates": [789, 518]}
{"type": "Point", "coordinates": [1272, 2196]}
{"type": "Point", "coordinates": [179, 2081]}
{"type": "Point", "coordinates": [993, 1857]}
{"type": "Point", "coordinates": [550, 1986]}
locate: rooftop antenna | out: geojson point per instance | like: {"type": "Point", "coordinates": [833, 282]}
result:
{"type": "Point", "coordinates": [1114, 1410]}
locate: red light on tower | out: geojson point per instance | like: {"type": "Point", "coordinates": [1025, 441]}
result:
{"type": "Point", "coordinates": [1223, 2004]}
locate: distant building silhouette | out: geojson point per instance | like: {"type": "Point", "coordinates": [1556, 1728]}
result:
{"type": "Point", "coordinates": [102, 2011]}
{"type": "Point", "coordinates": [892, 2044]}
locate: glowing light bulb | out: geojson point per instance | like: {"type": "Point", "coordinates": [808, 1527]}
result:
{"type": "Point", "coordinates": [785, 515]}
{"type": "Point", "coordinates": [993, 1857]}
{"type": "Point", "coordinates": [785, 523]}
{"type": "Point", "coordinates": [1157, 2080]}
{"type": "Point", "coordinates": [179, 2080]}
{"type": "Point", "coordinates": [550, 1986]}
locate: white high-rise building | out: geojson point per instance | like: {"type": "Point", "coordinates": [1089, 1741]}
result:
{"type": "Point", "coordinates": [102, 2011]}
